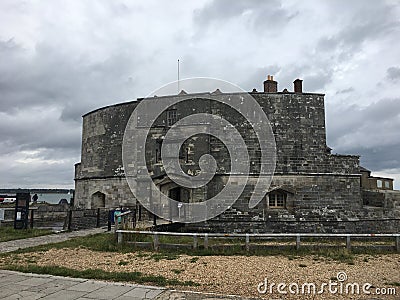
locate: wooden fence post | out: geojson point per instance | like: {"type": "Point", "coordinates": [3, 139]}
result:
{"type": "Point", "coordinates": [31, 220]}
{"type": "Point", "coordinates": [119, 238]}
{"type": "Point", "coordinates": [298, 242]}
{"type": "Point", "coordinates": [69, 219]}
{"type": "Point", "coordinates": [98, 218]}
{"type": "Point", "coordinates": [247, 242]}
{"type": "Point", "coordinates": [398, 243]}
{"type": "Point", "coordinates": [348, 242]}
{"type": "Point", "coordinates": [195, 241]}
{"type": "Point", "coordinates": [155, 241]}
{"type": "Point", "coordinates": [206, 241]}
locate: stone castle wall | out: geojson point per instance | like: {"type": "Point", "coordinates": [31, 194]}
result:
{"type": "Point", "coordinates": [115, 189]}
{"type": "Point", "coordinates": [314, 179]}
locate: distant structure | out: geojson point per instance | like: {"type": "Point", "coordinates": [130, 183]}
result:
{"type": "Point", "coordinates": [312, 190]}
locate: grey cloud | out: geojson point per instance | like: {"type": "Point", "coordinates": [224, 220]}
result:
{"type": "Point", "coordinates": [265, 15]}
{"type": "Point", "coordinates": [370, 22]}
{"type": "Point", "coordinates": [56, 67]}
{"type": "Point", "coordinates": [370, 131]}
{"type": "Point", "coordinates": [318, 80]}
{"type": "Point", "coordinates": [38, 175]}
{"type": "Point", "coordinates": [256, 78]}
{"type": "Point", "coordinates": [49, 77]}
{"type": "Point", "coordinates": [393, 73]}
{"type": "Point", "coordinates": [26, 131]}
{"type": "Point", "coordinates": [345, 91]}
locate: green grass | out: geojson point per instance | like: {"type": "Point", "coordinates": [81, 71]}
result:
{"type": "Point", "coordinates": [103, 242]}
{"type": "Point", "coordinates": [164, 255]}
{"type": "Point", "coordinates": [8, 233]}
{"type": "Point", "coordinates": [194, 259]}
{"type": "Point", "coordinates": [99, 274]}
{"type": "Point", "coordinates": [393, 283]}
{"type": "Point", "coordinates": [122, 263]}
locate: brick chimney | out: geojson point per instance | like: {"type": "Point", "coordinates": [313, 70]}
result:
{"type": "Point", "coordinates": [298, 86]}
{"type": "Point", "coordinates": [270, 86]}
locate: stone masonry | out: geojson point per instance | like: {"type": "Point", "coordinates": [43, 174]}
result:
{"type": "Point", "coordinates": [312, 189]}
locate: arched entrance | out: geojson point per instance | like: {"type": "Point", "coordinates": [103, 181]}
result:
{"type": "Point", "coordinates": [98, 200]}
{"type": "Point", "coordinates": [181, 195]}
{"type": "Point", "coordinates": [175, 194]}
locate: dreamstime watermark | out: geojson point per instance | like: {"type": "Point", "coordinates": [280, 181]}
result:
{"type": "Point", "coordinates": [186, 125]}
{"type": "Point", "coordinates": [339, 286]}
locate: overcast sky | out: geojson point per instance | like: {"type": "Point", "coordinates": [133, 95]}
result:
{"type": "Point", "coordinates": [62, 59]}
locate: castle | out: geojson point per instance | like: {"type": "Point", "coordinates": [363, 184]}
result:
{"type": "Point", "coordinates": [312, 190]}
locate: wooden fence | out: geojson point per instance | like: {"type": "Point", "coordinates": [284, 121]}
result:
{"type": "Point", "coordinates": [297, 237]}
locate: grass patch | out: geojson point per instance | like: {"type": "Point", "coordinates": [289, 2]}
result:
{"type": "Point", "coordinates": [103, 242]}
{"type": "Point", "coordinates": [164, 255]}
{"type": "Point", "coordinates": [393, 283]}
{"type": "Point", "coordinates": [99, 274]}
{"type": "Point", "coordinates": [8, 233]}
{"type": "Point", "coordinates": [176, 271]}
{"type": "Point", "coordinates": [194, 259]}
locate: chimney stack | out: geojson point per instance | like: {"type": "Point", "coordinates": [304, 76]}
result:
{"type": "Point", "coordinates": [298, 86]}
{"type": "Point", "coordinates": [270, 86]}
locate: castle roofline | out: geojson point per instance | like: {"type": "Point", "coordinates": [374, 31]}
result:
{"type": "Point", "coordinates": [199, 94]}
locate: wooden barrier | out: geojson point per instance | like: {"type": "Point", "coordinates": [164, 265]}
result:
{"type": "Point", "coordinates": [247, 236]}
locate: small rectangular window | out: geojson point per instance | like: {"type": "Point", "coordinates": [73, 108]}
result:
{"type": "Point", "coordinates": [379, 183]}
{"type": "Point", "coordinates": [271, 201]}
{"type": "Point", "coordinates": [276, 200]}
{"type": "Point", "coordinates": [172, 117]}
{"type": "Point", "coordinates": [158, 151]}
{"type": "Point", "coordinates": [280, 201]}
{"type": "Point", "coordinates": [387, 184]}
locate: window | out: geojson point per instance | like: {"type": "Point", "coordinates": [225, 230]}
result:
{"type": "Point", "coordinates": [276, 200]}
{"type": "Point", "coordinates": [379, 183]}
{"type": "Point", "coordinates": [172, 117]}
{"type": "Point", "coordinates": [387, 184]}
{"type": "Point", "coordinates": [158, 151]}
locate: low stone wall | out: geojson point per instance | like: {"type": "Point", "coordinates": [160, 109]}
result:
{"type": "Point", "coordinates": [359, 226]}
{"type": "Point", "coordinates": [324, 220]}
{"type": "Point", "coordinates": [372, 198]}
{"type": "Point", "coordinates": [86, 218]}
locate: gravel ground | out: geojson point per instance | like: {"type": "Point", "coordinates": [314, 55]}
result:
{"type": "Point", "coordinates": [238, 275]}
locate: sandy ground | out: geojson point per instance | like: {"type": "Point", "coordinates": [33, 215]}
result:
{"type": "Point", "coordinates": [239, 275]}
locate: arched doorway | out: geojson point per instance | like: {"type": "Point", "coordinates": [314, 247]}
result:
{"type": "Point", "coordinates": [181, 195]}
{"type": "Point", "coordinates": [174, 194]}
{"type": "Point", "coordinates": [98, 200]}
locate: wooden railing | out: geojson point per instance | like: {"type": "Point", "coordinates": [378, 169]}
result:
{"type": "Point", "coordinates": [247, 236]}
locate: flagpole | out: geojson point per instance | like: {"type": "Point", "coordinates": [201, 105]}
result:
{"type": "Point", "coordinates": [178, 76]}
